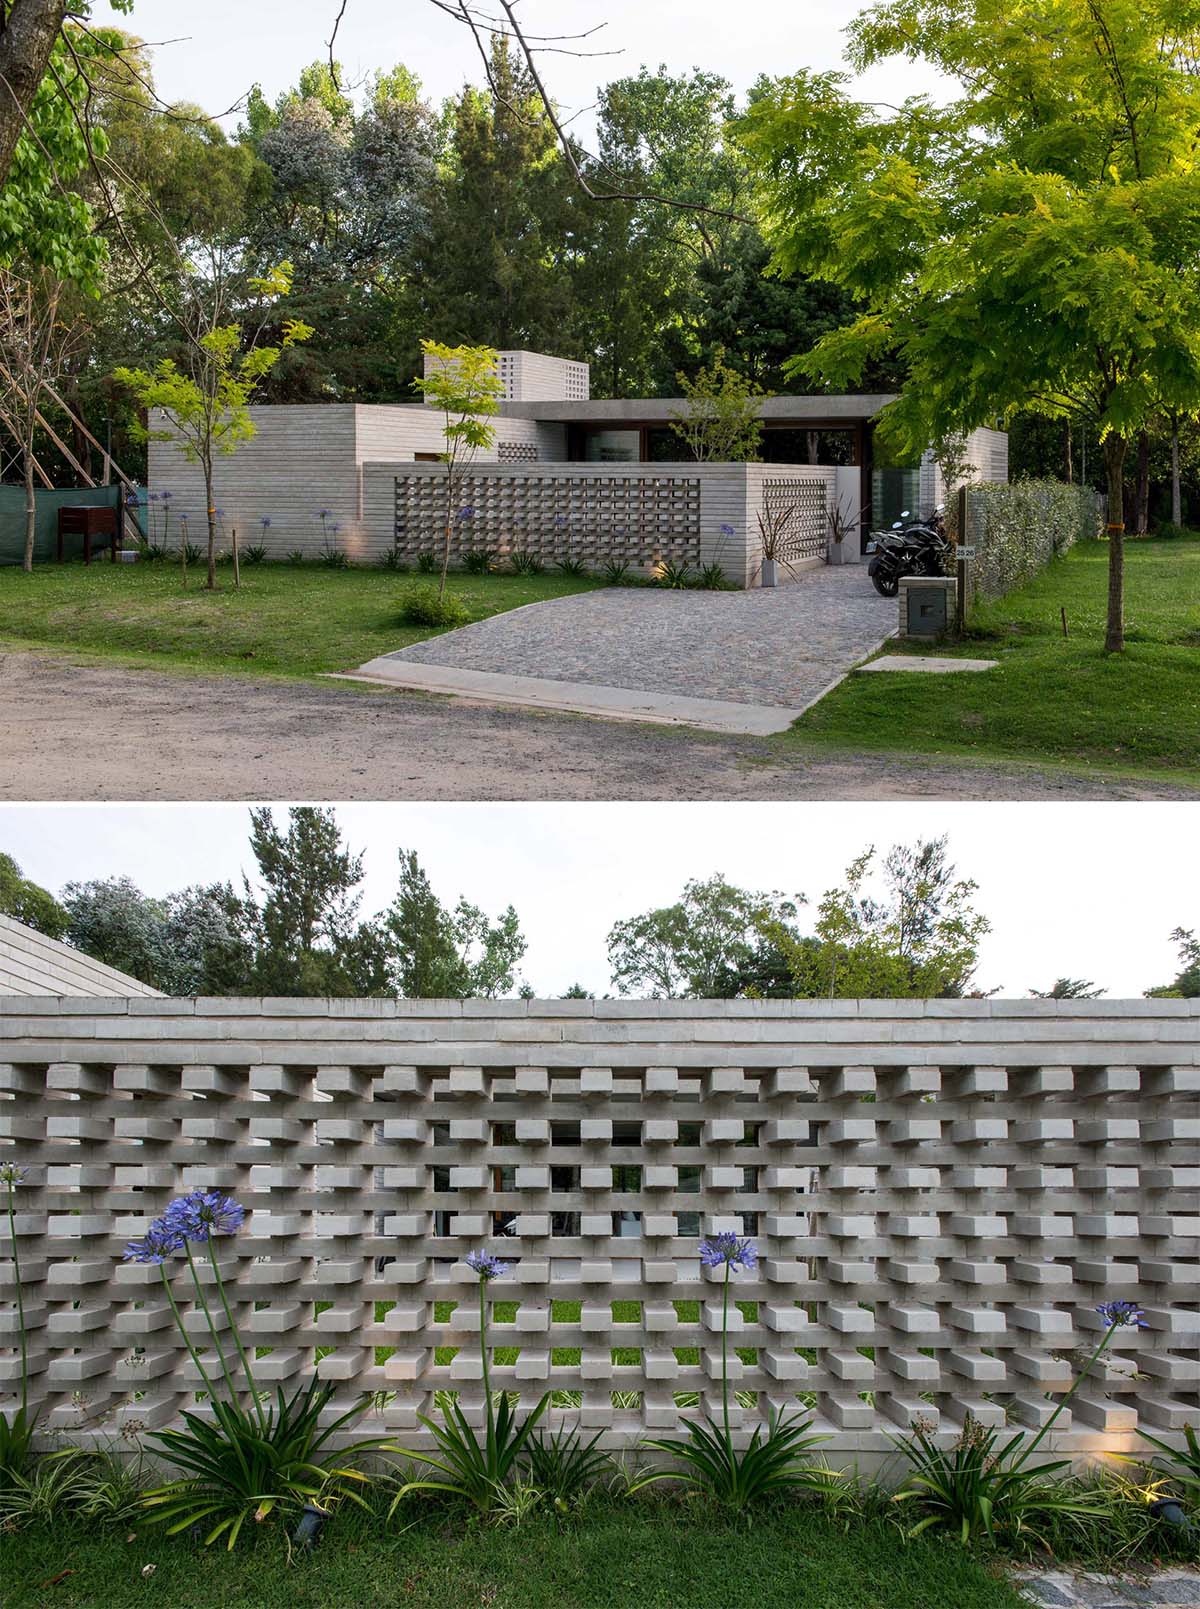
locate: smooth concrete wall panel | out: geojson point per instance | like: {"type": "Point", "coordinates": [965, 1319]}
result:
{"type": "Point", "coordinates": [941, 1192]}
{"type": "Point", "coordinates": [31, 963]}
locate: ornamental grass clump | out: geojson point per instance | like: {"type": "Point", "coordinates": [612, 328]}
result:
{"type": "Point", "coordinates": [17, 1427]}
{"type": "Point", "coordinates": [979, 1488]}
{"type": "Point", "coordinates": [477, 1472]}
{"type": "Point", "coordinates": [773, 1461]}
{"type": "Point", "coordinates": [254, 1456]}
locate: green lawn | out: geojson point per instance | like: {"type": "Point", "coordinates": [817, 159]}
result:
{"type": "Point", "coordinates": [650, 1553]}
{"type": "Point", "coordinates": [284, 621]}
{"type": "Point", "coordinates": [1053, 697]}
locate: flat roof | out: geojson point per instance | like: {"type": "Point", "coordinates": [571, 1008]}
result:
{"type": "Point", "coordinates": [842, 409]}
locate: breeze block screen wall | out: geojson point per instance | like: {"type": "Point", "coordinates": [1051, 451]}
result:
{"type": "Point", "coordinates": [941, 1193]}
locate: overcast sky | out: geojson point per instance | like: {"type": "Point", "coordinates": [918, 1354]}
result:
{"type": "Point", "coordinates": [212, 53]}
{"type": "Point", "coordinates": [1090, 890]}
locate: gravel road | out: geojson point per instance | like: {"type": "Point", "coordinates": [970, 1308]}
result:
{"type": "Point", "coordinates": [84, 729]}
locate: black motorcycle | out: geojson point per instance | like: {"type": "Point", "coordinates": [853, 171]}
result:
{"type": "Point", "coordinates": [919, 547]}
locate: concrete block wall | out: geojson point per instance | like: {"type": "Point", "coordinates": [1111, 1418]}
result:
{"type": "Point", "coordinates": [941, 1193]}
{"type": "Point", "coordinates": [986, 452]}
{"type": "Point", "coordinates": [642, 513]}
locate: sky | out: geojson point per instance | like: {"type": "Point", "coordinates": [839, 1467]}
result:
{"type": "Point", "coordinates": [1087, 890]}
{"type": "Point", "coordinates": [211, 54]}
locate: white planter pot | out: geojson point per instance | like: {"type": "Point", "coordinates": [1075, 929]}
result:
{"type": "Point", "coordinates": [767, 574]}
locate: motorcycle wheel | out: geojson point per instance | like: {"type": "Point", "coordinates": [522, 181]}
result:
{"type": "Point", "coordinates": [886, 584]}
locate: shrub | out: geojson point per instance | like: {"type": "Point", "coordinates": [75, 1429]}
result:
{"type": "Point", "coordinates": [422, 606]}
{"type": "Point", "coordinates": [979, 1487]}
{"type": "Point", "coordinates": [524, 563]}
{"type": "Point", "coordinates": [616, 573]}
{"type": "Point", "coordinates": [393, 559]}
{"type": "Point", "coordinates": [427, 563]}
{"type": "Point", "coordinates": [575, 568]}
{"type": "Point", "coordinates": [248, 1459]}
{"type": "Point", "coordinates": [772, 1463]}
{"type": "Point", "coordinates": [334, 559]}
{"type": "Point", "coordinates": [471, 1469]}
{"type": "Point", "coordinates": [564, 1467]}
{"type": "Point", "coordinates": [478, 561]}
{"type": "Point", "coordinates": [1168, 531]}
{"type": "Point", "coordinates": [256, 553]}
{"type": "Point", "coordinates": [712, 578]}
{"type": "Point", "coordinates": [151, 552]}
{"type": "Point", "coordinates": [673, 576]}
{"type": "Point", "coordinates": [295, 556]}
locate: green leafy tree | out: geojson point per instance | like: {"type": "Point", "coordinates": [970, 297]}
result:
{"type": "Point", "coordinates": [350, 197]}
{"type": "Point", "coordinates": [492, 265]}
{"type": "Point", "coordinates": [207, 403]}
{"type": "Point", "coordinates": [112, 920]}
{"type": "Point", "coordinates": [720, 420]}
{"type": "Point", "coordinates": [704, 946]}
{"type": "Point", "coordinates": [464, 384]}
{"type": "Point", "coordinates": [35, 340]}
{"type": "Point", "coordinates": [434, 953]}
{"type": "Point", "coordinates": [919, 941]}
{"type": "Point", "coordinates": [1186, 985]}
{"type": "Point", "coordinates": [28, 902]}
{"type": "Point", "coordinates": [1033, 243]}
{"type": "Point", "coordinates": [45, 66]}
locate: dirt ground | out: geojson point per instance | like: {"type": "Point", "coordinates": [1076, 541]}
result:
{"type": "Point", "coordinates": [78, 729]}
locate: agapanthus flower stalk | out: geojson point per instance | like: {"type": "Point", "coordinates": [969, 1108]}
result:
{"type": "Point", "coordinates": [733, 1253]}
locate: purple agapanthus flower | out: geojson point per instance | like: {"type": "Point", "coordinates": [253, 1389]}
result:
{"type": "Point", "coordinates": [265, 522]}
{"type": "Point", "coordinates": [1123, 1313]}
{"type": "Point", "coordinates": [728, 1250]}
{"type": "Point", "coordinates": [324, 513]}
{"type": "Point", "coordinates": [12, 1173]}
{"type": "Point", "coordinates": [466, 512]}
{"type": "Point", "coordinates": [485, 1265]}
{"type": "Point", "coordinates": [156, 1245]}
{"type": "Point", "coordinates": [165, 497]}
{"type": "Point", "coordinates": [726, 530]}
{"type": "Point", "coordinates": [202, 1214]}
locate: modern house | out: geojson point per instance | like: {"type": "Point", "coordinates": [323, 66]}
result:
{"type": "Point", "coordinates": [568, 476]}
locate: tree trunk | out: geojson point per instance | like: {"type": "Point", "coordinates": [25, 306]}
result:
{"type": "Point", "coordinates": [1176, 493]}
{"type": "Point", "coordinates": [30, 512]}
{"type": "Point", "coordinates": [1115, 448]}
{"type": "Point", "coordinates": [1142, 504]}
{"type": "Point", "coordinates": [813, 445]}
{"type": "Point", "coordinates": [211, 516]}
{"type": "Point", "coordinates": [1070, 456]}
{"type": "Point", "coordinates": [26, 41]}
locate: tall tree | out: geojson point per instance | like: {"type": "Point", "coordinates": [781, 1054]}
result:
{"type": "Point", "coordinates": [1034, 243]}
{"type": "Point", "coordinates": [35, 342]}
{"type": "Point", "coordinates": [491, 262]}
{"type": "Point", "coordinates": [437, 953]}
{"type": "Point", "coordinates": [350, 192]}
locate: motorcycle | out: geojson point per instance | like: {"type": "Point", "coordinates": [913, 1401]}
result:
{"type": "Point", "coordinates": [920, 547]}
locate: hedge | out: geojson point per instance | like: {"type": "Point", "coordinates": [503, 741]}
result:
{"type": "Point", "coordinates": [1018, 527]}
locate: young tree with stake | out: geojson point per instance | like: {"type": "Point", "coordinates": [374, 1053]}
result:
{"type": "Point", "coordinates": [207, 406]}
{"type": "Point", "coordinates": [464, 383]}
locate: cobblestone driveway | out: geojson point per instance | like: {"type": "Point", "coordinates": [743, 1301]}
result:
{"type": "Point", "coordinates": [777, 647]}
{"type": "Point", "coordinates": [1173, 1589]}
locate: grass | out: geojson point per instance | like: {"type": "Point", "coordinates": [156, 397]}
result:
{"type": "Point", "coordinates": [1052, 698]}
{"type": "Point", "coordinates": [297, 621]}
{"type": "Point", "coordinates": [651, 1553]}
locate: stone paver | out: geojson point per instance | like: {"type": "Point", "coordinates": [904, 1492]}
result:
{"type": "Point", "coordinates": [782, 647]}
{"type": "Point", "coordinates": [930, 664]}
{"type": "Point", "coordinates": [1058, 1589]}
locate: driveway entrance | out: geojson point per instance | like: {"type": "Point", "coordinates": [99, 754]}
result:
{"type": "Point", "coordinates": [729, 661]}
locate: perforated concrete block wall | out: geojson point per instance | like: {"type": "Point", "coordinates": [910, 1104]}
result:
{"type": "Point", "coordinates": [941, 1193]}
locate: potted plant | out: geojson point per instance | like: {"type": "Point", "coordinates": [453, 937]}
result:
{"type": "Point", "coordinates": [772, 528]}
{"type": "Point", "coordinates": [841, 526]}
